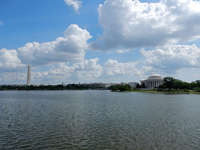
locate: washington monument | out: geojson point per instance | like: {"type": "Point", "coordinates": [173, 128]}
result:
{"type": "Point", "coordinates": [29, 76]}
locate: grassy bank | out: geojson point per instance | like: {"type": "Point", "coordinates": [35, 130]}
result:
{"type": "Point", "coordinates": [172, 91]}
{"type": "Point", "coordinates": [165, 92]}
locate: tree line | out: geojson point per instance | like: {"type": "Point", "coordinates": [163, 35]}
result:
{"type": "Point", "coordinates": [52, 87]}
{"type": "Point", "coordinates": [169, 84]}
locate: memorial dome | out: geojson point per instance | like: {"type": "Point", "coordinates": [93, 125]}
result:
{"type": "Point", "coordinates": [155, 76]}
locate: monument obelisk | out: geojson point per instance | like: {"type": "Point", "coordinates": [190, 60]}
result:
{"type": "Point", "coordinates": [29, 76]}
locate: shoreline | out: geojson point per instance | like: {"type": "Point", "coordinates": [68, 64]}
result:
{"type": "Point", "coordinates": [164, 92]}
{"type": "Point", "coordinates": [139, 91]}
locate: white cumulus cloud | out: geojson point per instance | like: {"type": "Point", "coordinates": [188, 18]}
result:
{"type": "Point", "coordinates": [87, 69]}
{"type": "Point", "coordinates": [113, 67]}
{"type": "Point", "coordinates": [123, 51]}
{"type": "Point", "coordinates": [75, 3]}
{"type": "Point", "coordinates": [9, 60]}
{"type": "Point", "coordinates": [131, 23]}
{"type": "Point", "coordinates": [63, 49]}
{"type": "Point", "coordinates": [171, 58]}
{"type": "Point", "coordinates": [70, 48]}
{"type": "Point", "coordinates": [13, 77]}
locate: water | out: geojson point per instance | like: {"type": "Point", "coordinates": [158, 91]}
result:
{"type": "Point", "coordinates": [98, 120]}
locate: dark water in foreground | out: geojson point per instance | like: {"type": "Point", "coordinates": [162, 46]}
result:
{"type": "Point", "coordinates": [98, 120]}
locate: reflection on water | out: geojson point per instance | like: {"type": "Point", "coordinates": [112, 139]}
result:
{"type": "Point", "coordinates": [98, 120]}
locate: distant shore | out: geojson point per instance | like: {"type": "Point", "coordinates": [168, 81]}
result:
{"type": "Point", "coordinates": [138, 91]}
{"type": "Point", "coordinates": [164, 92]}
{"type": "Point", "coordinates": [51, 87]}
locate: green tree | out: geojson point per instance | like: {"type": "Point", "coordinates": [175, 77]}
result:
{"type": "Point", "coordinates": [138, 86]}
{"type": "Point", "coordinates": [197, 81]}
{"type": "Point", "coordinates": [143, 85]}
{"type": "Point", "coordinates": [168, 82]}
{"type": "Point", "coordinates": [177, 84]}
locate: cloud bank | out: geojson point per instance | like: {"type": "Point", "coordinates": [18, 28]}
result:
{"type": "Point", "coordinates": [86, 70]}
{"type": "Point", "coordinates": [134, 24]}
{"type": "Point", "coordinates": [171, 58]}
{"type": "Point", "coordinates": [9, 60]}
{"type": "Point", "coordinates": [69, 48]}
{"type": "Point", "coordinates": [63, 49]}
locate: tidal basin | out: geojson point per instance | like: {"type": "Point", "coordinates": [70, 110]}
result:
{"type": "Point", "coordinates": [95, 119]}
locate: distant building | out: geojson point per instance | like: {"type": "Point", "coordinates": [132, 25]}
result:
{"type": "Point", "coordinates": [123, 83]}
{"type": "Point", "coordinates": [96, 84]}
{"type": "Point", "coordinates": [153, 81]}
{"type": "Point", "coordinates": [29, 76]}
{"type": "Point", "coordinates": [133, 84]}
{"type": "Point", "coordinates": [99, 84]}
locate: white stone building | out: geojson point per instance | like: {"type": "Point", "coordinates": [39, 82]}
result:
{"type": "Point", "coordinates": [133, 84]}
{"type": "Point", "coordinates": [153, 81]}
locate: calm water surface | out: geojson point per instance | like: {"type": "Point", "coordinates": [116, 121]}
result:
{"type": "Point", "coordinates": [98, 120]}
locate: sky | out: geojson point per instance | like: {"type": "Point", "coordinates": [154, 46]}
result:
{"type": "Point", "coordinates": [89, 41]}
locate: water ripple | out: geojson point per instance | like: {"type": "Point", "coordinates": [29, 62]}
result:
{"type": "Point", "coordinates": [98, 120]}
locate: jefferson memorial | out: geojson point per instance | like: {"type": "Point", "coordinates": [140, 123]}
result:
{"type": "Point", "coordinates": [153, 81]}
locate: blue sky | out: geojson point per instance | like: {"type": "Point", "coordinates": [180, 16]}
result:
{"type": "Point", "coordinates": [74, 41]}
